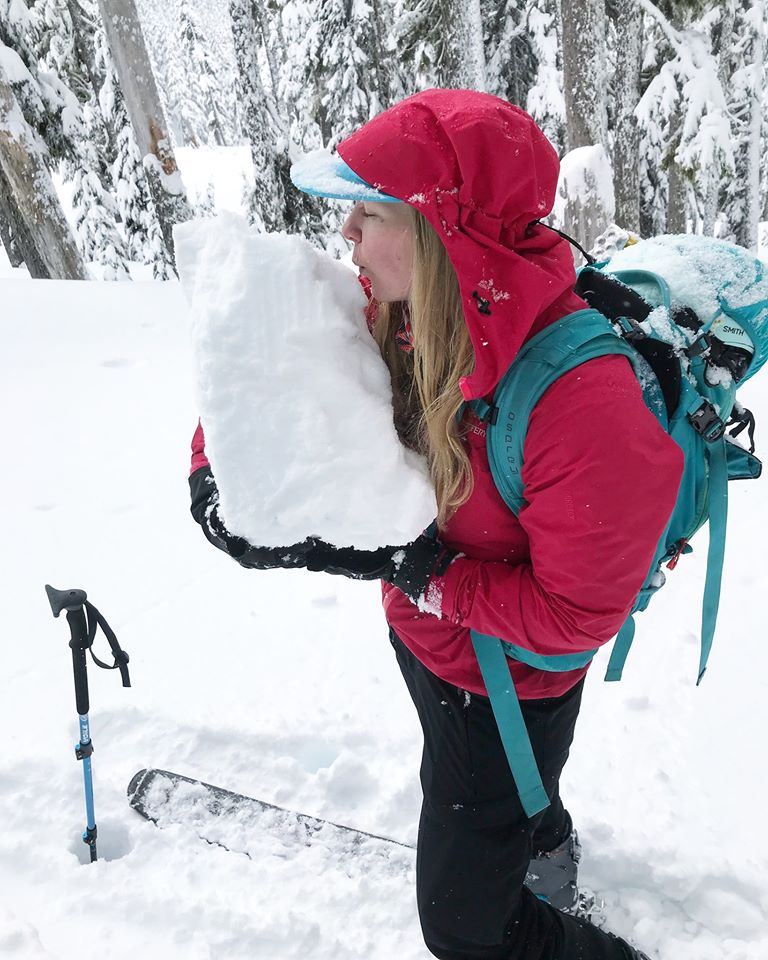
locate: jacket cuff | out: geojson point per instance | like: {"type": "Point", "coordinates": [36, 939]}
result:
{"type": "Point", "coordinates": [202, 487]}
{"type": "Point", "coordinates": [457, 590]}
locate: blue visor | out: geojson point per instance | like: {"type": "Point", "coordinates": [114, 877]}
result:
{"type": "Point", "coordinates": [325, 174]}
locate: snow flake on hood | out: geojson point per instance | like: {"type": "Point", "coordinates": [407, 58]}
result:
{"type": "Point", "coordinates": [481, 171]}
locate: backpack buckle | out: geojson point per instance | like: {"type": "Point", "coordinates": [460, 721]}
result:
{"type": "Point", "coordinates": [701, 346]}
{"type": "Point", "coordinates": [706, 421]}
{"type": "Point", "coordinates": [630, 329]}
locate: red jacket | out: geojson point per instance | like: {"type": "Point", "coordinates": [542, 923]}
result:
{"type": "Point", "coordinates": [601, 476]}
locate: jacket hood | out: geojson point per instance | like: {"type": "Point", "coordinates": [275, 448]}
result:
{"type": "Point", "coordinates": [480, 171]}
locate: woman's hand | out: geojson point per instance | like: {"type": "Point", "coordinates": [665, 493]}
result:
{"type": "Point", "coordinates": [409, 568]}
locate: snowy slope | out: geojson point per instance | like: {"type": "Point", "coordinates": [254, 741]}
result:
{"type": "Point", "coordinates": [282, 685]}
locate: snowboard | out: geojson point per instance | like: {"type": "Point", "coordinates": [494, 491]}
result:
{"type": "Point", "coordinates": [252, 827]}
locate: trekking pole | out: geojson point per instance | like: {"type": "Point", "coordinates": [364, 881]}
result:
{"type": "Point", "coordinates": [83, 620]}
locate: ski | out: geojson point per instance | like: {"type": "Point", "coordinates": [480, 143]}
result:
{"type": "Point", "coordinates": [242, 824]}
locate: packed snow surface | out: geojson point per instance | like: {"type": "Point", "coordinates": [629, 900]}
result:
{"type": "Point", "coordinates": [585, 175]}
{"type": "Point", "coordinates": [294, 396]}
{"type": "Point", "coordinates": [709, 276]}
{"type": "Point", "coordinates": [282, 685]}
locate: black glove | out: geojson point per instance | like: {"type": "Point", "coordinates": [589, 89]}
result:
{"type": "Point", "coordinates": [408, 568]}
{"type": "Point", "coordinates": [205, 510]}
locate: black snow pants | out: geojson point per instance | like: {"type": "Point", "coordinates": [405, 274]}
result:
{"type": "Point", "coordinates": [475, 841]}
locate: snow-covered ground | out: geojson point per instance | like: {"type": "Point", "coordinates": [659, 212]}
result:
{"type": "Point", "coordinates": [282, 685]}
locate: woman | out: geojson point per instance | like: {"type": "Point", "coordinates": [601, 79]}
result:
{"type": "Point", "coordinates": [449, 186]}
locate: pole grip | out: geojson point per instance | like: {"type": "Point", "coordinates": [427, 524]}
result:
{"type": "Point", "coordinates": [79, 644]}
{"type": "Point", "coordinates": [64, 599]}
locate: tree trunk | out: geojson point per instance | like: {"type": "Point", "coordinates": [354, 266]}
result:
{"type": "Point", "coordinates": [724, 52]}
{"type": "Point", "coordinates": [10, 225]}
{"type": "Point", "coordinates": [584, 72]}
{"type": "Point", "coordinates": [752, 218]}
{"type": "Point", "coordinates": [384, 79]}
{"type": "Point", "coordinates": [142, 101]}
{"type": "Point", "coordinates": [470, 37]}
{"type": "Point", "coordinates": [261, 21]}
{"type": "Point", "coordinates": [267, 202]}
{"type": "Point", "coordinates": [83, 36]}
{"type": "Point", "coordinates": [628, 17]}
{"type": "Point", "coordinates": [30, 188]}
{"type": "Point", "coordinates": [677, 185]}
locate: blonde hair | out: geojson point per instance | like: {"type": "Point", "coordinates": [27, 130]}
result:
{"type": "Point", "coordinates": [425, 383]}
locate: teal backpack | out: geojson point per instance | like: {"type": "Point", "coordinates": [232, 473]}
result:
{"type": "Point", "coordinates": [691, 315]}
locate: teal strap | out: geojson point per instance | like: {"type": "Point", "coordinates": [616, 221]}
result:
{"type": "Point", "coordinates": [718, 515]}
{"type": "Point", "coordinates": [558, 663]}
{"type": "Point", "coordinates": [494, 667]}
{"type": "Point", "coordinates": [620, 650]}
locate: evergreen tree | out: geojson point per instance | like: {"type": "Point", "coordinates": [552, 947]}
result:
{"type": "Point", "coordinates": [203, 91]}
{"type": "Point", "coordinates": [743, 76]}
{"type": "Point", "coordinates": [34, 220]}
{"type": "Point", "coordinates": [259, 121]}
{"type": "Point", "coordinates": [545, 100]}
{"type": "Point", "coordinates": [50, 108]}
{"type": "Point", "coordinates": [85, 165]}
{"type": "Point", "coordinates": [277, 108]}
{"type": "Point", "coordinates": [511, 60]}
{"type": "Point", "coordinates": [185, 121]}
{"type": "Point", "coordinates": [428, 44]}
{"type": "Point", "coordinates": [338, 54]}
{"type": "Point", "coordinates": [682, 114]}
{"type": "Point", "coordinates": [144, 237]}
{"type": "Point", "coordinates": [50, 127]}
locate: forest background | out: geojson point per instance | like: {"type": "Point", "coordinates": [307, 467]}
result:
{"type": "Point", "coordinates": [657, 110]}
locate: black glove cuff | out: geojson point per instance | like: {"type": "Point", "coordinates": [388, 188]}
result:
{"type": "Point", "coordinates": [421, 560]}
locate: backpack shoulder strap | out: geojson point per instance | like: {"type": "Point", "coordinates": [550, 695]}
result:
{"type": "Point", "coordinates": [559, 348]}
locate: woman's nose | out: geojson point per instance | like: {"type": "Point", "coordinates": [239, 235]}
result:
{"type": "Point", "coordinates": [350, 229]}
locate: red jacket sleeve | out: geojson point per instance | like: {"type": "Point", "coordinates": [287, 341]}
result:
{"type": "Point", "coordinates": [199, 458]}
{"type": "Point", "coordinates": [601, 479]}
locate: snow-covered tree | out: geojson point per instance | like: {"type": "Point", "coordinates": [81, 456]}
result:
{"type": "Point", "coordinates": [47, 123]}
{"type": "Point", "coordinates": [683, 112]}
{"type": "Point", "coordinates": [588, 202]}
{"type": "Point", "coordinates": [545, 99]}
{"type": "Point", "coordinates": [136, 209]}
{"type": "Point", "coordinates": [584, 61]}
{"type": "Point", "coordinates": [742, 40]}
{"type": "Point", "coordinates": [85, 166]}
{"type": "Point", "coordinates": [203, 90]}
{"type": "Point", "coordinates": [37, 212]}
{"type": "Point", "coordinates": [627, 17]}
{"type": "Point", "coordinates": [427, 43]}
{"type": "Point", "coordinates": [260, 121]}
{"type": "Point", "coordinates": [339, 49]}
{"type": "Point", "coordinates": [142, 103]}
{"type": "Point", "coordinates": [510, 58]}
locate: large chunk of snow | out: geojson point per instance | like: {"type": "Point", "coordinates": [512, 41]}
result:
{"type": "Point", "coordinates": [294, 397]}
